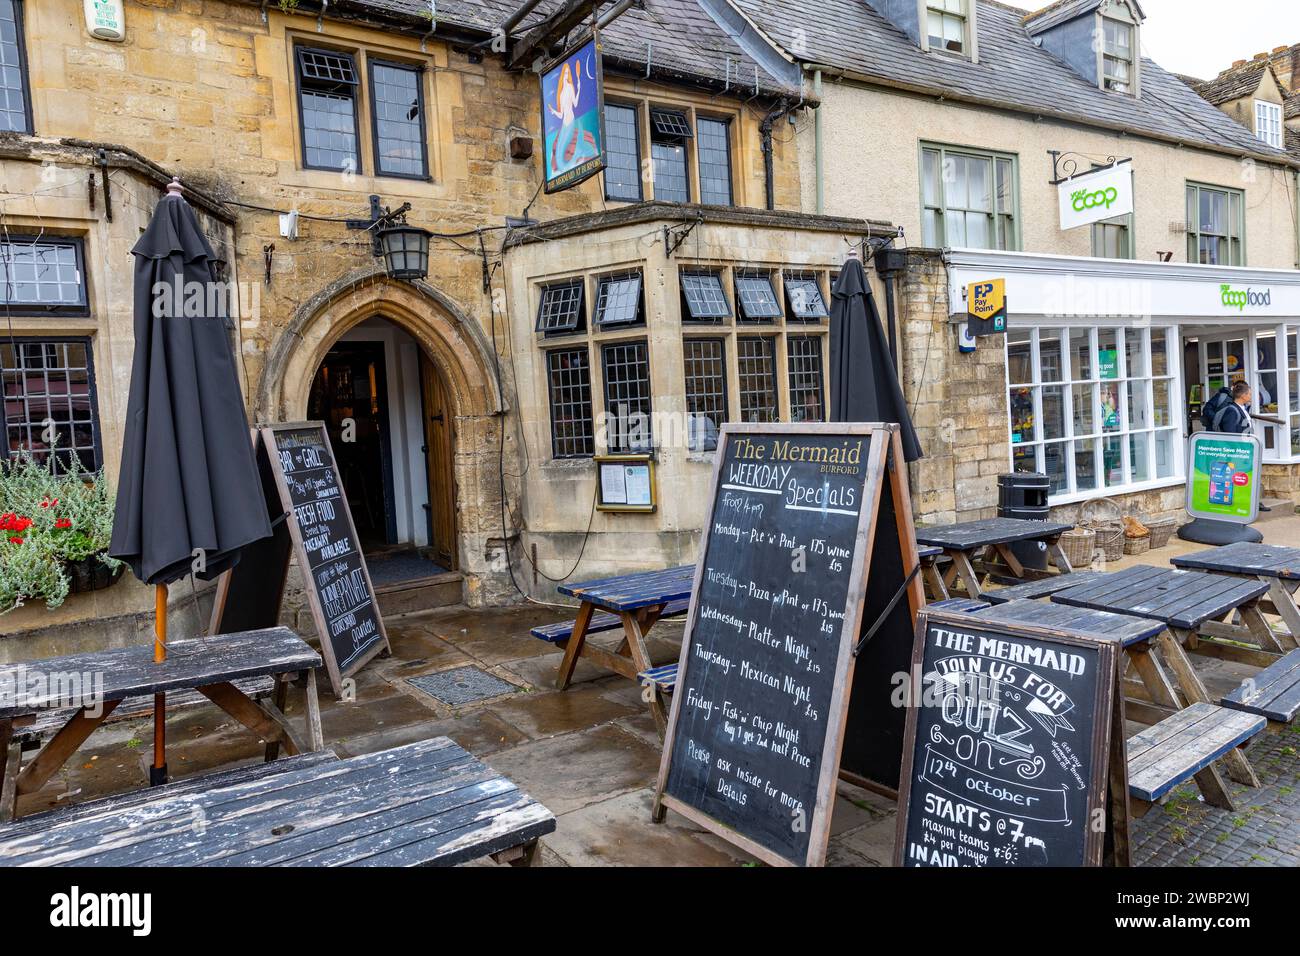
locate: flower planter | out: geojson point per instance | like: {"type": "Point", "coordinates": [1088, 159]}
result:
{"type": "Point", "coordinates": [90, 574]}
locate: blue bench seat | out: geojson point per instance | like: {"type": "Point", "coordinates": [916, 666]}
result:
{"type": "Point", "coordinates": [1273, 693]}
{"type": "Point", "coordinates": [663, 678]}
{"type": "Point", "coordinates": [1183, 745]}
{"type": "Point", "coordinates": [561, 631]}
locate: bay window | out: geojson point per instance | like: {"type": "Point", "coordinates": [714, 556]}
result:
{"type": "Point", "coordinates": [1094, 409]}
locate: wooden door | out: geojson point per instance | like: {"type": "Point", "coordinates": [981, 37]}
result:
{"type": "Point", "coordinates": [439, 442]}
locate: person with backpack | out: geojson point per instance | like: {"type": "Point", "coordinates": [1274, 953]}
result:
{"type": "Point", "coordinates": [1228, 411]}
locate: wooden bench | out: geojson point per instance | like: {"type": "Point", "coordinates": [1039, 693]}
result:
{"type": "Point", "coordinates": [1184, 746]}
{"type": "Point", "coordinates": [135, 708]}
{"type": "Point", "coordinates": [959, 605]}
{"type": "Point", "coordinates": [561, 631]}
{"type": "Point", "coordinates": [1033, 590]}
{"type": "Point", "coordinates": [1273, 693]}
{"type": "Point", "coordinates": [659, 682]}
{"type": "Point", "coordinates": [121, 802]}
{"type": "Point", "coordinates": [425, 804]}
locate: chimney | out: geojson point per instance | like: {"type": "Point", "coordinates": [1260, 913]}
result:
{"type": "Point", "coordinates": [1281, 49]}
{"type": "Point", "coordinates": [1235, 65]}
{"type": "Point", "coordinates": [1260, 56]}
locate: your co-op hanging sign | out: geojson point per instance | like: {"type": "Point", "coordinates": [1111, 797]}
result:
{"type": "Point", "coordinates": [1102, 194]}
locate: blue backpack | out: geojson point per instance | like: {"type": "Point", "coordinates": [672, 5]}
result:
{"type": "Point", "coordinates": [1213, 411]}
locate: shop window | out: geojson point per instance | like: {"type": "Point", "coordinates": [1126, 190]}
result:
{"type": "Point", "coordinates": [561, 308]}
{"type": "Point", "coordinates": [803, 296]}
{"type": "Point", "coordinates": [1094, 409]}
{"type": "Point", "coordinates": [703, 298]}
{"type": "Point", "coordinates": [40, 276]}
{"type": "Point", "coordinates": [706, 391]}
{"type": "Point", "coordinates": [1293, 389]}
{"type": "Point", "coordinates": [49, 400]}
{"type": "Point", "coordinates": [756, 299]}
{"type": "Point", "coordinates": [1118, 69]}
{"type": "Point", "coordinates": [968, 199]}
{"type": "Point", "coordinates": [1268, 123]}
{"type": "Point", "coordinates": [15, 101]}
{"type": "Point", "coordinates": [756, 365]}
{"type": "Point", "coordinates": [619, 301]}
{"type": "Point", "coordinates": [946, 25]}
{"type": "Point", "coordinates": [714, 149]}
{"type": "Point", "coordinates": [622, 153]}
{"type": "Point", "coordinates": [669, 132]}
{"type": "Point", "coordinates": [1216, 226]}
{"type": "Point", "coordinates": [327, 102]}
{"type": "Point", "coordinates": [569, 378]}
{"type": "Point", "coordinates": [397, 102]}
{"type": "Point", "coordinates": [626, 367]}
{"type": "Point", "coordinates": [804, 356]}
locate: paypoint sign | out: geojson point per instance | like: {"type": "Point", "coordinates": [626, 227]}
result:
{"type": "Point", "coordinates": [986, 307]}
{"type": "Point", "coordinates": [1096, 196]}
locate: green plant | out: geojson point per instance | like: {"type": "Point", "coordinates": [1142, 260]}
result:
{"type": "Point", "coordinates": [47, 518]}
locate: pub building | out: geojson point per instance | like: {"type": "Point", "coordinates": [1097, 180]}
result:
{"type": "Point", "coordinates": [1108, 362]}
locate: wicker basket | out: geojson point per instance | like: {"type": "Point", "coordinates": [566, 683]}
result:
{"type": "Point", "coordinates": [1161, 529]}
{"type": "Point", "coordinates": [1078, 545]}
{"type": "Point", "coordinates": [1137, 545]}
{"type": "Point", "coordinates": [1103, 517]}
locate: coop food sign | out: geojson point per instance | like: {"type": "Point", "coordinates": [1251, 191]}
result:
{"type": "Point", "coordinates": [1096, 196]}
{"type": "Point", "coordinates": [572, 134]}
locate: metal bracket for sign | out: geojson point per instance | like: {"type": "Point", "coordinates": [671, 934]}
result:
{"type": "Point", "coordinates": [1063, 170]}
{"type": "Point", "coordinates": [674, 236]}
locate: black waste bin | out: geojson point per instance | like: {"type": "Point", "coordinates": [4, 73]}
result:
{"type": "Point", "coordinates": [1024, 495]}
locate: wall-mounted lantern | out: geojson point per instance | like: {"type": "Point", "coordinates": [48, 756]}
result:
{"type": "Point", "coordinates": [403, 248]}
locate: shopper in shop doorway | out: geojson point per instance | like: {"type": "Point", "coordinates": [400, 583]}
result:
{"type": "Point", "coordinates": [1229, 412]}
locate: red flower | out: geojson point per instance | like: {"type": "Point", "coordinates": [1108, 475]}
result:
{"type": "Point", "coordinates": [63, 523]}
{"type": "Point", "coordinates": [13, 522]}
{"type": "Point", "coordinates": [15, 540]}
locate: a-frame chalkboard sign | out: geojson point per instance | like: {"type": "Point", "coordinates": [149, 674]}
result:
{"type": "Point", "coordinates": [1014, 750]}
{"type": "Point", "coordinates": [752, 749]}
{"type": "Point", "coordinates": [310, 520]}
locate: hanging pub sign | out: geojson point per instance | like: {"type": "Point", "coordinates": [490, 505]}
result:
{"type": "Point", "coordinates": [573, 113]}
{"type": "Point", "coordinates": [986, 307]}
{"type": "Point", "coordinates": [1102, 194]}
{"type": "Point", "coordinates": [1223, 480]}
{"type": "Point", "coordinates": [766, 674]}
{"type": "Point", "coordinates": [1008, 758]}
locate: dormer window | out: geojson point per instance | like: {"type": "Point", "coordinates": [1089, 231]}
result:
{"type": "Point", "coordinates": [946, 23]}
{"type": "Point", "coordinates": [1117, 58]}
{"type": "Point", "coordinates": [1268, 123]}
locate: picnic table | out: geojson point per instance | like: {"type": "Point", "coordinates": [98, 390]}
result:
{"type": "Point", "coordinates": [979, 548]}
{"type": "Point", "coordinates": [1275, 566]}
{"type": "Point", "coordinates": [425, 804]}
{"type": "Point", "coordinates": [638, 601]}
{"type": "Point", "coordinates": [1185, 603]}
{"type": "Point", "coordinates": [88, 687]}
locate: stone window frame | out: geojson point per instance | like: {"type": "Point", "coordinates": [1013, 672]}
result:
{"type": "Point", "coordinates": [363, 103]}
{"type": "Point", "coordinates": [1126, 386]}
{"type": "Point", "coordinates": [24, 76]}
{"type": "Point", "coordinates": [1004, 218]}
{"type": "Point", "coordinates": [1195, 231]}
{"type": "Point", "coordinates": [646, 137]}
{"type": "Point", "coordinates": [594, 337]}
{"type": "Point", "coordinates": [96, 448]}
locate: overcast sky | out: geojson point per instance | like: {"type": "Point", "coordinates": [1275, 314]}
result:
{"type": "Point", "coordinates": [1204, 37]}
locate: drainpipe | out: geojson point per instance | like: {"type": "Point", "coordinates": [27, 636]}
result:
{"type": "Point", "coordinates": [817, 141]}
{"type": "Point", "coordinates": [781, 108]}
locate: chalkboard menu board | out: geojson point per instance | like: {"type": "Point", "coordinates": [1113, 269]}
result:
{"type": "Point", "coordinates": [1008, 753]}
{"type": "Point", "coordinates": [339, 591]}
{"type": "Point", "coordinates": [753, 742]}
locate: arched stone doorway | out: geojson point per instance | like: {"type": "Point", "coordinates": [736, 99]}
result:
{"type": "Point", "coordinates": [454, 352]}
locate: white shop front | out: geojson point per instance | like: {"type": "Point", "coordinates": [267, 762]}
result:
{"type": "Point", "coordinates": [1107, 362]}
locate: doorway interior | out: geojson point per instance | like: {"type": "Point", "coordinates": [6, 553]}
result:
{"type": "Point", "coordinates": [386, 410]}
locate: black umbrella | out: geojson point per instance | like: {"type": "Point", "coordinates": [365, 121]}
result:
{"type": "Point", "coordinates": [188, 493]}
{"type": "Point", "coordinates": [864, 382]}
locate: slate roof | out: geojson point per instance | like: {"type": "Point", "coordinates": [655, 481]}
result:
{"type": "Point", "coordinates": [678, 38]}
{"type": "Point", "coordinates": [1233, 84]}
{"type": "Point", "coordinates": [1059, 12]}
{"type": "Point", "coordinates": [1292, 108]}
{"type": "Point", "coordinates": [1013, 73]}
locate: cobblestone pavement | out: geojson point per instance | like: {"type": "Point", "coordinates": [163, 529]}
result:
{"type": "Point", "coordinates": [1264, 829]}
